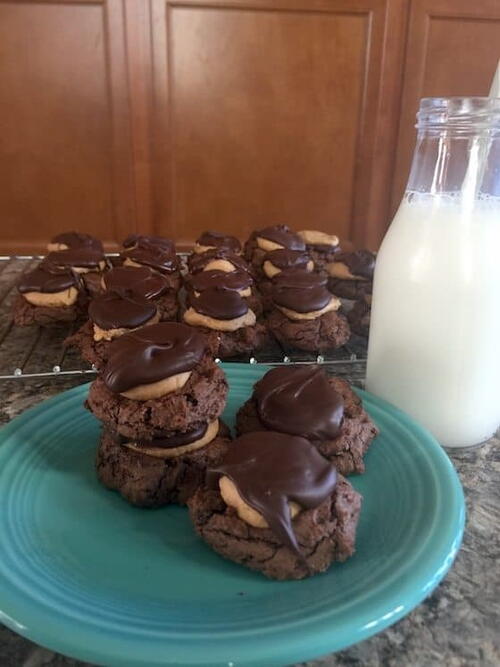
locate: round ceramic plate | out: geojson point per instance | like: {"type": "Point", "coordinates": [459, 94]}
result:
{"type": "Point", "coordinates": [84, 573]}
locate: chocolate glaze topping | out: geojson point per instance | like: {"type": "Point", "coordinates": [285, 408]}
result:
{"type": "Point", "coordinates": [198, 262]}
{"type": "Point", "coordinates": [359, 263]}
{"type": "Point", "coordinates": [175, 439]}
{"type": "Point", "coordinates": [141, 279]}
{"type": "Point", "coordinates": [47, 279]}
{"type": "Point", "coordinates": [151, 354]}
{"type": "Point", "coordinates": [301, 291]}
{"type": "Point", "coordinates": [161, 259]}
{"type": "Point", "coordinates": [219, 303]}
{"type": "Point", "coordinates": [77, 240]}
{"type": "Point", "coordinates": [299, 400]}
{"type": "Point", "coordinates": [218, 240]}
{"type": "Point", "coordinates": [269, 470]}
{"type": "Point", "coordinates": [288, 259]}
{"type": "Point", "coordinates": [83, 257]}
{"type": "Point", "coordinates": [236, 280]}
{"type": "Point", "coordinates": [160, 241]}
{"type": "Point", "coordinates": [283, 235]}
{"type": "Point", "coordinates": [121, 308]}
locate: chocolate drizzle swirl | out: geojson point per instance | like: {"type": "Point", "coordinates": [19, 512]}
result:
{"type": "Point", "coordinates": [271, 469]}
{"type": "Point", "coordinates": [82, 258]}
{"type": "Point", "coordinates": [236, 280]}
{"type": "Point", "coordinates": [198, 262]}
{"type": "Point", "coordinates": [360, 262]}
{"type": "Point", "coordinates": [218, 240]}
{"type": "Point", "coordinates": [121, 308]}
{"type": "Point", "coordinates": [151, 354]}
{"type": "Point", "coordinates": [77, 240]}
{"type": "Point", "coordinates": [157, 257]}
{"type": "Point", "coordinates": [47, 279]}
{"type": "Point", "coordinates": [169, 439]}
{"type": "Point", "coordinates": [301, 291]}
{"type": "Point", "coordinates": [301, 401]}
{"type": "Point", "coordinates": [283, 235]}
{"type": "Point", "coordinates": [141, 239]}
{"type": "Point", "coordinates": [219, 303]}
{"type": "Point", "coordinates": [287, 259]}
{"type": "Point", "coordinates": [140, 279]}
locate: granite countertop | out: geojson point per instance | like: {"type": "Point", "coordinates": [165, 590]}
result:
{"type": "Point", "coordinates": [457, 625]}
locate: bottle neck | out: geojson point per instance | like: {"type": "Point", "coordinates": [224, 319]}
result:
{"type": "Point", "coordinates": [458, 163]}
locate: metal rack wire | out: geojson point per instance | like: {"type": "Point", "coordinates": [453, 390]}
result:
{"type": "Point", "coordinates": [38, 352]}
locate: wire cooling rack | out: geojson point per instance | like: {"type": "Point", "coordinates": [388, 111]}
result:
{"type": "Point", "coordinates": [38, 352]}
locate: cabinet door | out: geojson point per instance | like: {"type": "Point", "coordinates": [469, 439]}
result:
{"type": "Point", "coordinates": [64, 125]}
{"type": "Point", "coordinates": [453, 49]}
{"type": "Point", "coordinates": [272, 111]}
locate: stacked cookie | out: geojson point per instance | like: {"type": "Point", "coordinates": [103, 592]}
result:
{"type": "Point", "coordinates": [129, 296]}
{"type": "Point", "coordinates": [159, 397]}
{"type": "Point", "coordinates": [57, 289]}
{"type": "Point", "coordinates": [304, 314]}
{"type": "Point", "coordinates": [221, 300]}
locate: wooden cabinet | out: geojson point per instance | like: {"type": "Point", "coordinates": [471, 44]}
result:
{"type": "Point", "coordinates": [65, 150]}
{"type": "Point", "coordinates": [173, 117]}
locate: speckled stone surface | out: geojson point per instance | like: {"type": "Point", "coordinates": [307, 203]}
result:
{"type": "Point", "coordinates": [458, 625]}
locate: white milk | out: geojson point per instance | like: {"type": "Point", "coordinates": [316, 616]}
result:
{"type": "Point", "coordinates": [434, 348]}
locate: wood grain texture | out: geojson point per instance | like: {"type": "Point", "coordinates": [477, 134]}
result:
{"type": "Point", "coordinates": [453, 49]}
{"type": "Point", "coordinates": [275, 111]}
{"type": "Point", "coordinates": [64, 122]}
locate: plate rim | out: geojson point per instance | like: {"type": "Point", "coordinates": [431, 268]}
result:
{"type": "Point", "coordinates": [317, 632]}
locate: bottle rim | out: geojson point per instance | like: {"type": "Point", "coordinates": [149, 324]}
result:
{"type": "Point", "coordinates": [459, 113]}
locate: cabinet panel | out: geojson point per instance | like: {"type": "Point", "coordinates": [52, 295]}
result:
{"type": "Point", "coordinates": [273, 111]}
{"type": "Point", "coordinates": [453, 49]}
{"type": "Point", "coordinates": [64, 126]}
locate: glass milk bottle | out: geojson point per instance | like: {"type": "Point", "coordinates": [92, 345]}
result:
{"type": "Point", "coordinates": [434, 347]}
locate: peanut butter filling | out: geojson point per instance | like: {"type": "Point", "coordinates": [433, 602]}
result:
{"type": "Point", "coordinates": [271, 270]}
{"type": "Point", "coordinates": [52, 299]}
{"type": "Point", "coordinates": [146, 392]}
{"type": "Point", "coordinates": [333, 304]}
{"type": "Point", "coordinates": [341, 271]}
{"type": "Point", "coordinates": [163, 453]}
{"type": "Point", "coordinates": [313, 237]}
{"type": "Point", "coordinates": [267, 245]}
{"type": "Point", "coordinates": [110, 334]}
{"type": "Point", "coordinates": [232, 498]}
{"type": "Point", "coordinates": [195, 319]}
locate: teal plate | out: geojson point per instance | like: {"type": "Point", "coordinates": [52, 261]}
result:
{"type": "Point", "coordinates": [83, 573]}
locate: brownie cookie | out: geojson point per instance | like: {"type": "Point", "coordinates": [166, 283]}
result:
{"type": "Point", "coordinates": [305, 313]}
{"type": "Point", "coordinates": [274, 263]}
{"type": "Point", "coordinates": [147, 283]}
{"type": "Point", "coordinates": [72, 240]}
{"type": "Point", "coordinates": [48, 294]}
{"type": "Point", "coordinates": [321, 247]}
{"type": "Point", "coordinates": [238, 280]}
{"type": "Point", "coordinates": [359, 316]}
{"type": "Point", "coordinates": [262, 241]}
{"type": "Point", "coordinates": [83, 259]}
{"type": "Point", "coordinates": [157, 257]}
{"type": "Point", "coordinates": [215, 240]}
{"type": "Point", "coordinates": [351, 274]}
{"type": "Point", "coordinates": [219, 259]}
{"type": "Point", "coordinates": [158, 377]}
{"type": "Point", "coordinates": [161, 475]}
{"type": "Point", "coordinates": [111, 315]}
{"type": "Point", "coordinates": [133, 240]}
{"type": "Point", "coordinates": [275, 505]}
{"type": "Point", "coordinates": [226, 317]}
{"type": "Point", "coordinates": [331, 415]}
